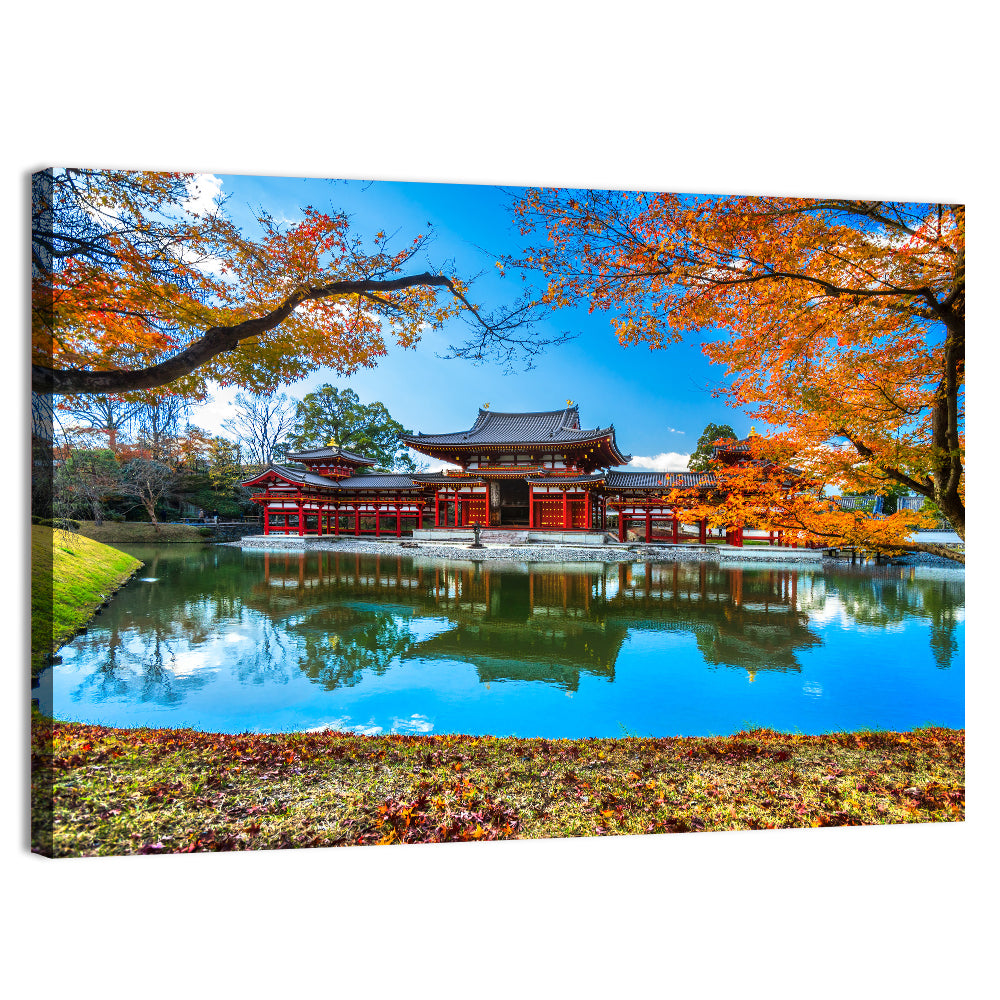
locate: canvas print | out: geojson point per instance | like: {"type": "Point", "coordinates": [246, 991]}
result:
{"type": "Point", "coordinates": [371, 512]}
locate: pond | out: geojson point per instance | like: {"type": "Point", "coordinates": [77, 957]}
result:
{"type": "Point", "coordinates": [230, 641]}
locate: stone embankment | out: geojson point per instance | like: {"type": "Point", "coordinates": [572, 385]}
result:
{"type": "Point", "coordinates": [533, 552]}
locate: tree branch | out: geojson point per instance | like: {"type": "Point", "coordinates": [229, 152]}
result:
{"type": "Point", "coordinates": [219, 339]}
{"type": "Point", "coordinates": [900, 477]}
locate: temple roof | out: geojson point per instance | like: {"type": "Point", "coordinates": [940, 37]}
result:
{"type": "Point", "coordinates": [541, 429]}
{"type": "Point", "coordinates": [329, 452]}
{"type": "Point", "coordinates": [293, 475]}
{"type": "Point", "coordinates": [743, 445]}
{"type": "Point", "coordinates": [657, 480]}
{"type": "Point", "coordinates": [374, 482]}
{"type": "Point", "coordinates": [378, 481]}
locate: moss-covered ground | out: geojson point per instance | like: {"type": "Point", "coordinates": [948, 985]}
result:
{"type": "Point", "coordinates": [71, 577]}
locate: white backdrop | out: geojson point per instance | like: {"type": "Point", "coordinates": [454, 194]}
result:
{"type": "Point", "coordinates": [850, 99]}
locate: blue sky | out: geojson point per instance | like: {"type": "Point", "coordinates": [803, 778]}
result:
{"type": "Point", "coordinates": [659, 401]}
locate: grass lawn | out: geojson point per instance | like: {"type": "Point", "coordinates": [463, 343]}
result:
{"type": "Point", "coordinates": [139, 532]}
{"type": "Point", "coordinates": [164, 791]}
{"type": "Point", "coordinates": [71, 577]}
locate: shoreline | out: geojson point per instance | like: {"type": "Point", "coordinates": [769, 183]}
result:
{"type": "Point", "coordinates": [564, 553]}
{"type": "Point", "coordinates": [530, 553]}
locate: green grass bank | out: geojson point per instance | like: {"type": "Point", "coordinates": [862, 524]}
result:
{"type": "Point", "coordinates": [71, 577]}
{"type": "Point", "coordinates": [140, 533]}
{"type": "Point", "coordinates": [104, 791]}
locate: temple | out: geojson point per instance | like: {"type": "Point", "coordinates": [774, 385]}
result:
{"type": "Point", "coordinates": [538, 471]}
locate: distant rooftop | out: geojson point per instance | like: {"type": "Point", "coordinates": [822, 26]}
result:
{"type": "Point", "coordinates": [329, 453]}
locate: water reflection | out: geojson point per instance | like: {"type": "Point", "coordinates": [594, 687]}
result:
{"type": "Point", "coordinates": [219, 624]}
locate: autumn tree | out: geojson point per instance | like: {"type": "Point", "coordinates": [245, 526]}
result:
{"type": "Point", "coordinates": [704, 451]}
{"type": "Point", "coordinates": [260, 423]}
{"type": "Point", "coordinates": [85, 481]}
{"type": "Point", "coordinates": [140, 281]}
{"type": "Point", "coordinates": [762, 490]}
{"type": "Point", "coordinates": [158, 425]}
{"type": "Point", "coordinates": [225, 463]}
{"type": "Point", "coordinates": [839, 322]}
{"type": "Point", "coordinates": [148, 481]}
{"type": "Point", "coordinates": [330, 415]}
{"type": "Point", "coordinates": [112, 416]}
{"type": "Point", "coordinates": [211, 475]}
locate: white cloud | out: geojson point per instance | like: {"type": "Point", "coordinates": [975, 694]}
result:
{"type": "Point", "coordinates": [674, 430]}
{"type": "Point", "coordinates": [425, 464]}
{"type": "Point", "coordinates": [415, 724]}
{"type": "Point", "coordinates": [666, 461]}
{"type": "Point", "coordinates": [204, 194]}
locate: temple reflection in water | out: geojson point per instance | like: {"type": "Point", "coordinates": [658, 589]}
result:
{"type": "Point", "coordinates": [531, 623]}
{"type": "Point", "coordinates": [224, 640]}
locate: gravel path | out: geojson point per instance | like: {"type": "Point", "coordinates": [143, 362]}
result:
{"type": "Point", "coordinates": [925, 559]}
{"type": "Point", "coordinates": [534, 553]}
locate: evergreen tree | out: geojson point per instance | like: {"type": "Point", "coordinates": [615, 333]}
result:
{"type": "Point", "coordinates": [702, 454]}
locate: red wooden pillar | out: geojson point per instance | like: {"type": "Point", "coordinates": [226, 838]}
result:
{"type": "Point", "coordinates": [586, 509]}
{"type": "Point", "coordinates": [739, 536]}
{"type": "Point", "coordinates": [302, 519]}
{"type": "Point", "coordinates": [621, 524]}
{"type": "Point", "coordinates": [677, 526]}
{"type": "Point", "coordinates": [399, 523]}
{"type": "Point", "coordinates": [458, 510]}
{"type": "Point", "coordinates": [565, 509]}
{"type": "Point", "coordinates": [437, 509]}
{"type": "Point", "coordinates": [357, 520]}
{"type": "Point", "coordinates": [267, 520]}
{"type": "Point", "coordinates": [531, 505]}
{"type": "Point", "coordinates": [649, 525]}
{"type": "Point", "coordinates": [703, 531]}
{"type": "Point", "coordinates": [378, 520]}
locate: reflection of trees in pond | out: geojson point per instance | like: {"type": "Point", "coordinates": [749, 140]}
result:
{"type": "Point", "coordinates": [195, 590]}
{"type": "Point", "coordinates": [337, 645]}
{"type": "Point", "coordinates": [135, 668]}
{"type": "Point", "coordinates": [507, 651]}
{"type": "Point", "coordinates": [267, 660]}
{"type": "Point", "coordinates": [149, 646]}
{"type": "Point", "coordinates": [744, 619]}
{"type": "Point", "coordinates": [891, 596]}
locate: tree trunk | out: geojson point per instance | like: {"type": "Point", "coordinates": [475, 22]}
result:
{"type": "Point", "coordinates": [151, 511]}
